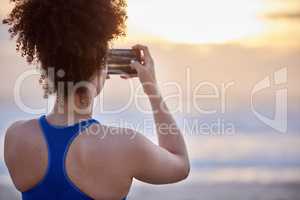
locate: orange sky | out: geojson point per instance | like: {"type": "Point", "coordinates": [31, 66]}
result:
{"type": "Point", "coordinates": [249, 22]}
{"type": "Point", "coordinates": [184, 33]}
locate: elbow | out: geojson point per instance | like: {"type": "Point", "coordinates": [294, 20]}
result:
{"type": "Point", "coordinates": [184, 171]}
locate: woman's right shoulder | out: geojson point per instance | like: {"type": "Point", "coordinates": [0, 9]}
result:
{"type": "Point", "coordinates": [98, 134]}
{"type": "Point", "coordinates": [115, 146]}
{"type": "Point", "coordinates": [114, 140]}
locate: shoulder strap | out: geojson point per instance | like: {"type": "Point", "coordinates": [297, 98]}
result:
{"type": "Point", "coordinates": [59, 139]}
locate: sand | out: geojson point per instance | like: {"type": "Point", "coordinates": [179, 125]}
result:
{"type": "Point", "coordinates": [232, 191]}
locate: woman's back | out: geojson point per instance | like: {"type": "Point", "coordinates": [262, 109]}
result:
{"type": "Point", "coordinates": [95, 166]}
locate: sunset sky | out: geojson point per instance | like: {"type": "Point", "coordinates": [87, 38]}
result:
{"type": "Point", "coordinates": [251, 22]}
{"type": "Point", "coordinates": [220, 41]}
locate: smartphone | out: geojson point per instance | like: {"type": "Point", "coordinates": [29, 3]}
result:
{"type": "Point", "coordinates": [118, 61]}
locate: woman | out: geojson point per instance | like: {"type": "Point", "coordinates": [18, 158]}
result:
{"type": "Point", "coordinates": [60, 156]}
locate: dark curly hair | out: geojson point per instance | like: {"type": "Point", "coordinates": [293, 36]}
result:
{"type": "Point", "coordinates": [68, 35]}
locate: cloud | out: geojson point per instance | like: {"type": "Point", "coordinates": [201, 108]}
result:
{"type": "Point", "coordinates": [285, 15]}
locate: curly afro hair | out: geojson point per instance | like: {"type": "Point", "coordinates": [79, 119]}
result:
{"type": "Point", "coordinates": [68, 35]}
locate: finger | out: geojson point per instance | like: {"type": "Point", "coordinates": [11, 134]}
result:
{"type": "Point", "coordinates": [145, 49]}
{"type": "Point", "coordinates": [133, 76]}
{"type": "Point", "coordinates": [127, 76]}
{"type": "Point", "coordinates": [136, 65]}
{"type": "Point", "coordinates": [137, 46]}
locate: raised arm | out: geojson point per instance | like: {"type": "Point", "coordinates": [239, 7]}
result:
{"type": "Point", "coordinates": [168, 162]}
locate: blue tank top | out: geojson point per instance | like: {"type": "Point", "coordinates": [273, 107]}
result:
{"type": "Point", "coordinates": [56, 185]}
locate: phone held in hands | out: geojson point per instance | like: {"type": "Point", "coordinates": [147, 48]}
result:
{"type": "Point", "coordinates": [119, 60]}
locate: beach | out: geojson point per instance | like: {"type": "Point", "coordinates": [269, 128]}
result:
{"type": "Point", "coordinates": [201, 192]}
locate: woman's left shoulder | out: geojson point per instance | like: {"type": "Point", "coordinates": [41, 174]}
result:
{"type": "Point", "coordinates": [21, 126]}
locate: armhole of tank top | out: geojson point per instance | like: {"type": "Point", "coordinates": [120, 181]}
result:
{"type": "Point", "coordinates": [48, 156]}
{"type": "Point", "coordinates": [66, 176]}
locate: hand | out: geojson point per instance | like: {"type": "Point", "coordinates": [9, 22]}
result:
{"type": "Point", "coordinates": [146, 71]}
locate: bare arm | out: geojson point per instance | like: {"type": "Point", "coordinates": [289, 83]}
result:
{"type": "Point", "coordinates": [168, 162]}
{"type": "Point", "coordinates": [169, 135]}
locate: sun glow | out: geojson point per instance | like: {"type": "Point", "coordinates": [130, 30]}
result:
{"type": "Point", "coordinates": [197, 21]}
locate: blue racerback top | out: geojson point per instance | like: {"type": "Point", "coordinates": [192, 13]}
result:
{"type": "Point", "coordinates": [56, 185]}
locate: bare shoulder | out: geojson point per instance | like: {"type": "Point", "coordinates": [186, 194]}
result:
{"type": "Point", "coordinates": [20, 135]}
{"type": "Point", "coordinates": [99, 136]}
{"type": "Point", "coordinates": [14, 127]}
{"type": "Point", "coordinates": [23, 140]}
{"type": "Point", "coordinates": [19, 130]}
{"type": "Point", "coordinates": [101, 142]}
